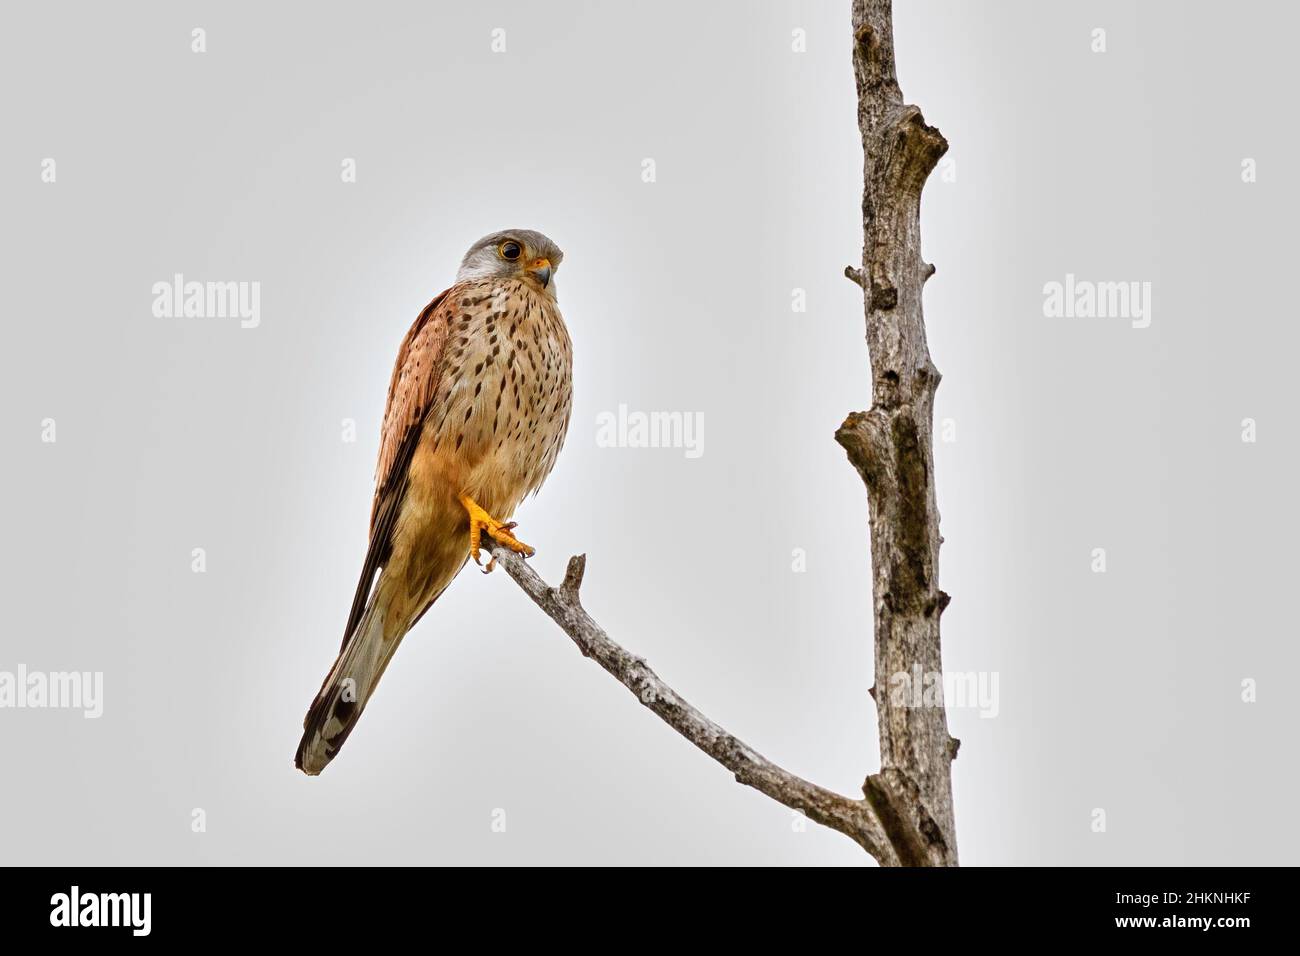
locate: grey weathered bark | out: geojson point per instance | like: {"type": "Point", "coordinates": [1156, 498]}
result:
{"type": "Point", "coordinates": [906, 816]}
{"type": "Point", "coordinates": [891, 446]}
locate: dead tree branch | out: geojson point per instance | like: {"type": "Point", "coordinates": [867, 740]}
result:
{"type": "Point", "coordinates": [891, 446]}
{"type": "Point", "coordinates": [857, 819]}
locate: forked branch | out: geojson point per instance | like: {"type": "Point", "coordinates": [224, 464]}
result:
{"type": "Point", "coordinates": [856, 819]}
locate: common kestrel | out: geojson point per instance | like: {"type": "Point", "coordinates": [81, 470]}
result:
{"type": "Point", "coordinates": [477, 411]}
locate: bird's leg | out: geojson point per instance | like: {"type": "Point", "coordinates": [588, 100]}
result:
{"type": "Point", "coordinates": [480, 521]}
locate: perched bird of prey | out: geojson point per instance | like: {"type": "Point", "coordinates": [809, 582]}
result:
{"type": "Point", "coordinates": [477, 411]}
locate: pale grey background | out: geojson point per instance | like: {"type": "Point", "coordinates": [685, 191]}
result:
{"type": "Point", "coordinates": [1119, 691]}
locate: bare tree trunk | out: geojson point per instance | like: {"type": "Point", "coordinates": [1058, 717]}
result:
{"type": "Point", "coordinates": [906, 816]}
{"type": "Point", "coordinates": [891, 446]}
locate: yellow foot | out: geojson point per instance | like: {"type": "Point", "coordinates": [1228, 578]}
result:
{"type": "Point", "coordinates": [480, 521]}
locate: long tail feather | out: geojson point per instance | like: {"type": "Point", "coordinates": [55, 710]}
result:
{"type": "Point", "coordinates": [345, 692]}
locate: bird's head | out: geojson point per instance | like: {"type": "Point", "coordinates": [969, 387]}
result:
{"type": "Point", "coordinates": [513, 254]}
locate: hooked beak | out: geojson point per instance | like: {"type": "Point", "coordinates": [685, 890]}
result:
{"type": "Point", "coordinates": [541, 271]}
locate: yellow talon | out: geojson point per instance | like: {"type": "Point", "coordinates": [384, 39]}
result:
{"type": "Point", "coordinates": [480, 521]}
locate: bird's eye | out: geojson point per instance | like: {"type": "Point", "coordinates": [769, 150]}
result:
{"type": "Point", "coordinates": [510, 250]}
